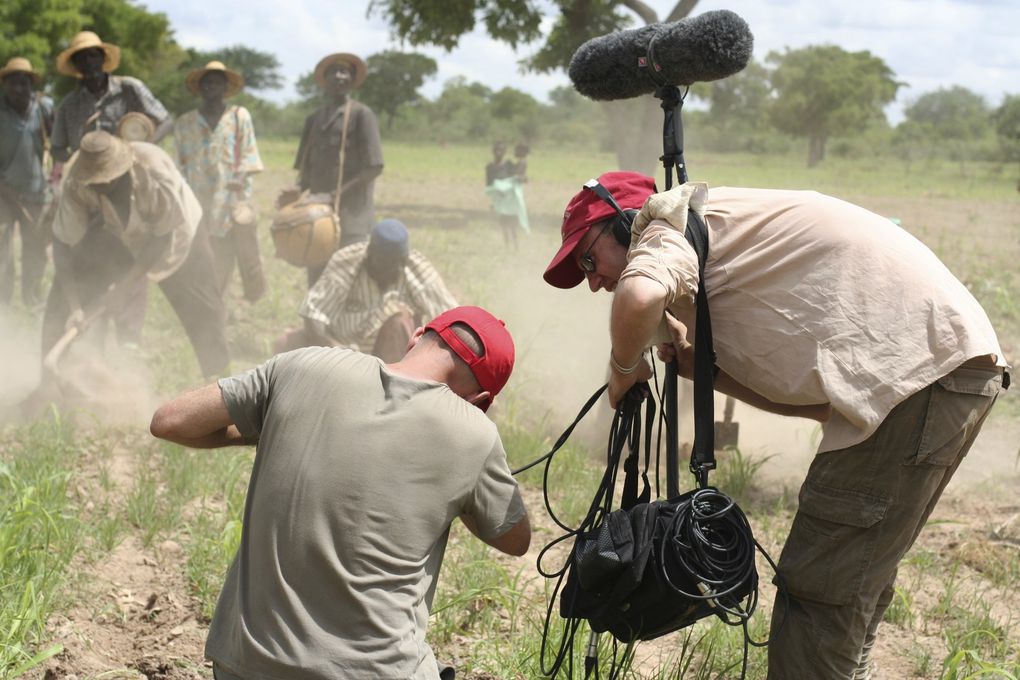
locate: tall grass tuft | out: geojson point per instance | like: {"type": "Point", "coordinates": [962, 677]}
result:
{"type": "Point", "coordinates": [39, 534]}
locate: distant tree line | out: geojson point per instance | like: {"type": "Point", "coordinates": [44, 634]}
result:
{"type": "Point", "coordinates": [819, 99]}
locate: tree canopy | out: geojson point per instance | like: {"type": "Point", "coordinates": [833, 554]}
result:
{"type": "Point", "coordinates": [41, 29]}
{"type": "Point", "coordinates": [952, 113]}
{"type": "Point", "coordinates": [824, 90]}
{"type": "Point", "coordinates": [393, 81]}
{"type": "Point", "coordinates": [636, 126]}
{"type": "Point", "coordinates": [1007, 128]}
{"type": "Point", "coordinates": [261, 70]}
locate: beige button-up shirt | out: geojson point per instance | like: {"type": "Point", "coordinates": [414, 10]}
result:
{"type": "Point", "coordinates": [161, 204]}
{"type": "Point", "coordinates": [814, 300]}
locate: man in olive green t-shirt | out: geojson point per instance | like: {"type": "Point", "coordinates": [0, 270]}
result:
{"type": "Point", "coordinates": [360, 469]}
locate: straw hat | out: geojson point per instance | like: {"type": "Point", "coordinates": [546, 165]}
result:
{"type": "Point", "coordinates": [355, 62]}
{"type": "Point", "coordinates": [84, 41]}
{"type": "Point", "coordinates": [101, 158]}
{"type": "Point", "coordinates": [234, 80]}
{"type": "Point", "coordinates": [20, 65]}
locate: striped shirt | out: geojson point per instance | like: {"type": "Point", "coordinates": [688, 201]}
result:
{"type": "Point", "coordinates": [124, 94]}
{"type": "Point", "coordinates": [352, 307]}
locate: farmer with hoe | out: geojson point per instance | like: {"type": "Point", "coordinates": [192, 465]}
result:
{"type": "Point", "coordinates": [99, 102]}
{"type": "Point", "coordinates": [360, 469]}
{"type": "Point", "coordinates": [148, 231]}
{"type": "Point", "coordinates": [820, 309]}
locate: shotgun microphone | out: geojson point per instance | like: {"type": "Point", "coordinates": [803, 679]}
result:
{"type": "Point", "coordinates": [631, 63]}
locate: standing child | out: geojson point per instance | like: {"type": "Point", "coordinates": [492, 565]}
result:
{"type": "Point", "coordinates": [503, 187]}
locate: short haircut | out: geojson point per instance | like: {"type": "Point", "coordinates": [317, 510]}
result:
{"type": "Point", "coordinates": [466, 334]}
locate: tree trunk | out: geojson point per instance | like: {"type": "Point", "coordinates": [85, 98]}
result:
{"type": "Point", "coordinates": [816, 150]}
{"type": "Point", "coordinates": [636, 127]}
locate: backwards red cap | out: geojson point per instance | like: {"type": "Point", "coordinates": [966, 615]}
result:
{"type": "Point", "coordinates": [492, 369]}
{"type": "Point", "coordinates": [585, 209]}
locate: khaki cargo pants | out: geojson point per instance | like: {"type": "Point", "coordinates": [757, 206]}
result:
{"type": "Point", "coordinates": [861, 508]}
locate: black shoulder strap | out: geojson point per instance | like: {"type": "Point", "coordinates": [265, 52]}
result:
{"type": "Point", "coordinates": [703, 453]}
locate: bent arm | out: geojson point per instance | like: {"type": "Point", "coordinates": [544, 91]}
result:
{"type": "Point", "coordinates": [638, 306]}
{"type": "Point", "coordinates": [683, 352]}
{"type": "Point", "coordinates": [514, 542]}
{"type": "Point", "coordinates": [727, 385]}
{"type": "Point", "coordinates": [363, 177]}
{"type": "Point", "coordinates": [165, 127]}
{"type": "Point", "coordinates": [198, 419]}
{"type": "Point", "coordinates": [64, 274]}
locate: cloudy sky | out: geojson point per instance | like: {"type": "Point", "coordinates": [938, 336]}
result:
{"type": "Point", "coordinates": [928, 43]}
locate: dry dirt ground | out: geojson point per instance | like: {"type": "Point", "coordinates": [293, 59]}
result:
{"type": "Point", "coordinates": [133, 615]}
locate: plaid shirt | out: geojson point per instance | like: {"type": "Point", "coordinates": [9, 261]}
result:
{"type": "Point", "coordinates": [349, 303]}
{"type": "Point", "coordinates": [124, 94]}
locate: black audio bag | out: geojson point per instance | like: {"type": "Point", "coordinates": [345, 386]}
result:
{"type": "Point", "coordinates": [617, 584]}
{"type": "Point", "coordinates": [622, 576]}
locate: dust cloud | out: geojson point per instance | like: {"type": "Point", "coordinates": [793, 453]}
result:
{"type": "Point", "coordinates": [96, 380]}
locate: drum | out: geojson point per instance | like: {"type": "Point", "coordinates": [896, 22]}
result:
{"type": "Point", "coordinates": [243, 213]}
{"type": "Point", "coordinates": [306, 234]}
{"type": "Point", "coordinates": [135, 127]}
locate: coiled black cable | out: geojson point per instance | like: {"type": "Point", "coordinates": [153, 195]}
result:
{"type": "Point", "coordinates": [708, 543]}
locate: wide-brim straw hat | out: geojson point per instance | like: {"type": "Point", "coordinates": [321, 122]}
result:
{"type": "Point", "coordinates": [234, 79]}
{"type": "Point", "coordinates": [20, 65]}
{"type": "Point", "coordinates": [84, 41]}
{"type": "Point", "coordinates": [101, 158]}
{"type": "Point", "coordinates": [352, 60]}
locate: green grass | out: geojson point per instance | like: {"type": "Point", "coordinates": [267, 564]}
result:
{"type": "Point", "coordinates": [39, 535]}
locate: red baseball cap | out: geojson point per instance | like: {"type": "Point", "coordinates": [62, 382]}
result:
{"type": "Point", "coordinates": [492, 369]}
{"type": "Point", "coordinates": [585, 209]}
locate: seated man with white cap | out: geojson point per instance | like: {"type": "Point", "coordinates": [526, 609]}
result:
{"type": "Point", "coordinates": [371, 296]}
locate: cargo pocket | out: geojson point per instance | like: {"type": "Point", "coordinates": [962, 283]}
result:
{"type": "Point", "coordinates": [830, 544]}
{"type": "Point", "coordinates": [958, 403]}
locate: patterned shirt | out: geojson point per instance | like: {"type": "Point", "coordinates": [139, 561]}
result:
{"type": "Point", "coordinates": [124, 94]}
{"type": "Point", "coordinates": [212, 158]}
{"type": "Point", "coordinates": [21, 147]}
{"type": "Point", "coordinates": [349, 303]}
{"type": "Point", "coordinates": [162, 204]}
